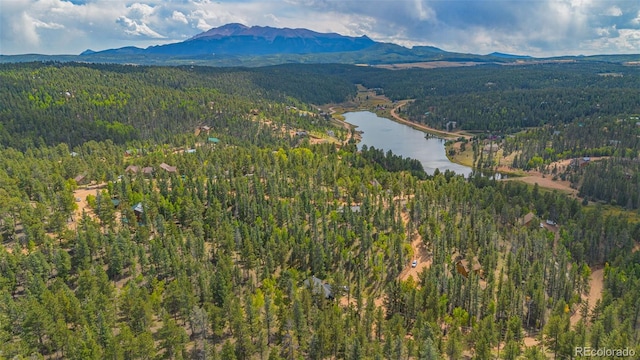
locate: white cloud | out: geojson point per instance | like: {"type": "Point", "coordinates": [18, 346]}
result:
{"type": "Point", "coordinates": [179, 17]}
{"type": "Point", "coordinates": [614, 11]}
{"type": "Point", "coordinates": [424, 11]}
{"type": "Point", "coordinates": [132, 27]}
{"type": "Point", "coordinates": [273, 18]}
{"type": "Point", "coordinates": [536, 27]}
{"type": "Point", "coordinates": [41, 24]}
{"type": "Point", "coordinates": [142, 11]}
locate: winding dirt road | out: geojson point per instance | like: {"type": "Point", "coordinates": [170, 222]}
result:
{"type": "Point", "coordinates": [429, 129]}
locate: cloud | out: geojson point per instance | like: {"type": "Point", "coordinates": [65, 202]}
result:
{"type": "Point", "coordinates": [273, 18]}
{"type": "Point", "coordinates": [613, 11]}
{"type": "Point", "coordinates": [535, 27]}
{"type": "Point", "coordinates": [132, 27]}
{"type": "Point", "coordinates": [41, 24]}
{"type": "Point", "coordinates": [179, 17]}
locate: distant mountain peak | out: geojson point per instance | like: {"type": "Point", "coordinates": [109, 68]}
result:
{"type": "Point", "coordinates": [267, 32]}
{"type": "Point", "coordinates": [508, 56]}
{"type": "Point", "coordinates": [224, 30]}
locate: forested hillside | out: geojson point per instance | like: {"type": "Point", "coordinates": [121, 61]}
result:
{"type": "Point", "coordinates": [214, 252]}
{"type": "Point", "coordinates": [73, 103]}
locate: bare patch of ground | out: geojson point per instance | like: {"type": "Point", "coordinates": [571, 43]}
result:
{"type": "Point", "coordinates": [546, 182]}
{"type": "Point", "coordinates": [596, 284]}
{"type": "Point", "coordinates": [531, 342]}
{"type": "Point", "coordinates": [80, 196]}
{"type": "Point", "coordinates": [427, 65]}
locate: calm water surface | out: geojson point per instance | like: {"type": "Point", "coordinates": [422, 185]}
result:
{"type": "Point", "coordinates": [404, 140]}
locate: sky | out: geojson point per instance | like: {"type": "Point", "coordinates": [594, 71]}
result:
{"type": "Point", "coordinates": [525, 27]}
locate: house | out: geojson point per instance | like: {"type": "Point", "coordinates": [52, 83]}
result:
{"type": "Point", "coordinates": [301, 133]}
{"type": "Point", "coordinates": [81, 179]}
{"type": "Point", "coordinates": [132, 169]}
{"type": "Point", "coordinates": [491, 148]}
{"type": "Point", "coordinates": [190, 151]}
{"type": "Point", "coordinates": [115, 202]}
{"type": "Point", "coordinates": [213, 140]}
{"type": "Point", "coordinates": [73, 154]}
{"type": "Point", "coordinates": [147, 170]}
{"type": "Point", "coordinates": [168, 168]}
{"type": "Point", "coordinates": [353, 208]}
{"type": "Point", "coordinates": [463, 267]}
{"type": "Point", "coordinates": [202, 129]}
{"type": "Point", "coordinates": [138, 210]}
{"type": "Point", "coordinates": [318, 287]}
{"type": "Point", "coordinates": [527, 219]}
{"type": "Point", "coordinates": [581, 162]}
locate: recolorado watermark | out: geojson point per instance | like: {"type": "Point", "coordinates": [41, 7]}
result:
{"type": "Point", "coordinates": [586, 351]}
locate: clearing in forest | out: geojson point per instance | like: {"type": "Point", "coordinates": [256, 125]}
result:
{"type": "Point", "coordinates": [596, 284]}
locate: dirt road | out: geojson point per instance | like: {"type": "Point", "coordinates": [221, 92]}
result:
{"type": "Point", "coordinates": [596, 283]}
{"type": "Point", "coordinates": [420, 254]}
{"type": "Point", "coordinates": [446, 134]}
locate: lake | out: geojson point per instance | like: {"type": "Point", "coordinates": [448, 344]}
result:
{"type": "Point", "coordinates": [404, 140]}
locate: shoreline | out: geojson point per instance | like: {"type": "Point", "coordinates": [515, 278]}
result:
{"type": "Point", "coordinates": [444, 135]}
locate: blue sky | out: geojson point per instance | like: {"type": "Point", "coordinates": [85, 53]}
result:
{"type": "Point", "coordinates": [531, 27]}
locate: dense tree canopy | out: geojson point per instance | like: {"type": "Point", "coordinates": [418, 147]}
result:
{"type": "Point", "coordinates": [210, 260]}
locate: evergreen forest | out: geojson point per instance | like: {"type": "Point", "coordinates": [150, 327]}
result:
{"type": "Point", "coordinates": [189, 213]}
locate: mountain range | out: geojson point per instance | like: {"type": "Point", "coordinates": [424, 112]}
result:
{"type": "Point", "coordinates": [238, 39]}
{"type": "Point", "coordinates": [240, 45]}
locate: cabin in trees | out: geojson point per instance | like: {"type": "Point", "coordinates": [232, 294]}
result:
{"type": "Point", "coordinates": [115, 202]}
{"type": "Point", "coordinates": [464, 268]}
{"type": "Point", "coordinates": [490, 148]}
{"type": "Point", "coordinates": [81, 179]}
{"type": "Point", "coordinates": [528, 218]}
{"type": "Point", "coordinates": [580, 162]}
{"type": "Point", "coordinates": [132, 169]}
{"type": "Point", "coordinates": [353, 208]}
{"type": "Point", "coordinates": [168, 168]}
{"type": "Point", "coordinates": [138, 210]}
{"type": "Point", "coordinates": [203, 129]}
{"type": "Point", "coordinates": [319, 287]}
